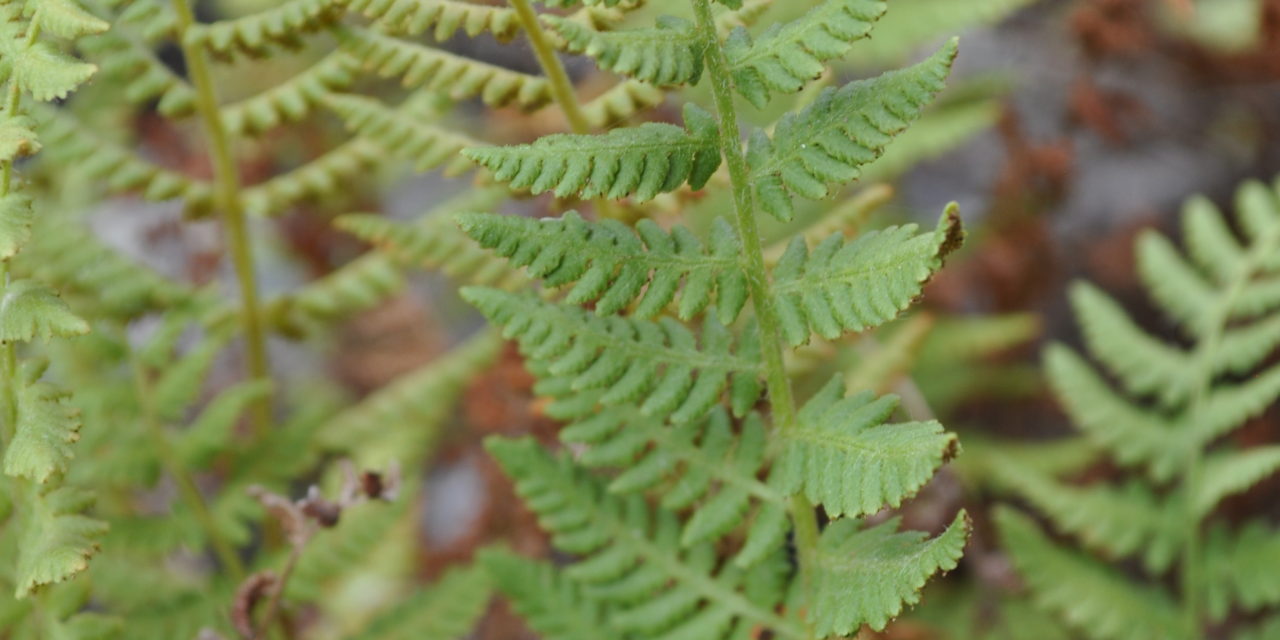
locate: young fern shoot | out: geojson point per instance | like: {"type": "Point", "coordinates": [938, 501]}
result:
{"type": "Point", "coordinates": [696, 463]}
{"type": "Point", "coordinates": [1173, 405]}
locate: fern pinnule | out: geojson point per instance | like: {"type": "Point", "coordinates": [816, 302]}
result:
{"type": "Point", "coordinates": [621, 102]}
{"type": "Point", "coordinates": [356, 286]}
{"type": "Point", "coordinates": [292, 100]}
{"type": "Point", "coordinates": [56, 540]}
{"type": "Point", "coordinates": [613, 265]}
{"type": "Point", "coordinates": [254, 35]}
{"type": "Point", "coordinates": [405, 130]}
{"type": "Point", "coordinates": [421, 66]}
{"type": "Point", "coordinates": [844, 129]}
{"type": "Point", "coordinates": [667, 55]}
{"type": "Point", "coordinates": [638, 161]}
{"type": "Point", "coordinates": [444, 17]}
{"type": "Point", "coordinates": [788, 56]}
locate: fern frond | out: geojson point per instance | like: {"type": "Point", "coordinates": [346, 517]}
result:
{"type": "Point", "coordinates": [1230, 472]}
{"type": "Point", "coordinates": [421, 66]}
{"type": "Point", "coordinates": [446, 611]}
{"type": "Point", "coordinates": [844, 456]}
{"type": "Point", "coordinates": [554, 606]}
{"type": "Point", "coordinates": [46, 426]}
{"type": "Point", "coordinates": [628, 558]}
{"type": "Point", "coordinates": [1094, 598]}
{"type": "Point", "coordinates": [142, 75]}
{"type": "Point", "coordinates": [1241, 569]}
{"type": "Point", "coordinates": [405, 131]}
{"type": "Point", "coordinates": [357, 286]}
{"type": "Point", "coordinates": [787, 56]}
{"type": "Point", "coordinates": [254, 35]}
{"type": "Point", "coordinates": [613, 265]}
{"type": "Point", "coordinates": [413, 17]}
{"type": "Point", "coordinates": [660, 365]}
{"type": "Point", "coordinates": [866, 576]}
{"type": "Point", "coordinates": [621, 102]}
{"type": "Point", "coordinates": [403, 417]}
{"type": "Point", "coordinates": [16, 218]}
{"type": "Point", "coordinates": [939, 130]}
{"type": "Point", "coordinates": [212, 432]}
{"type": "Point", "coordinates": [844, 129]}
{"type": "Point", "coordinates": [291, 100]}
{"type": "Point", "coordinates": [323, 176]}
{"type": "Point", "coordinates": [1120, 523]}
{"type": "Point", "coordinates": [435, 242]}
{"type": "Point", "coordinates": [667, 55]}
{"type": "Point", "coordinates": [39, 68]}
{"type": "Point", "coordinates": [65, 19]}
{"type": "Point", "coordinates": [857, 285]}
{"type": "Point", "coordinates": [642, 161]}
{"type": "Point", "coordinates": [56, 540]}
{"type": "Point", "coordinates": [28, 310]}
{"type": "Point", "coordinates": [117, 168]}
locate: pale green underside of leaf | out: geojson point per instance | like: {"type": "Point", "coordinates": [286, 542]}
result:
{"type": "Point", "coordinates": [258, 34]}
{"type": "Point", "coordinates": [843, 454]}
{"type": "Point", "coordinates": [856, 285]}
{"type": "Point", "coordinates": [630, 360]}
{"type": "Point", "coordinates": [866, 576]}
{"type": "Point", "coordinates": [667, 55]}
{"type": "Point", "coordinates": [1093, 597]}
{"type": "Point", "coordinates": [29, 310]}
{"type": "Point", "coordinates": [827, 143]}
{"type": "Point", "coordinates": [641, 161]}
{"type": "Point", "coordinates": [57, 540]}
{"type": "Point", "coordinates": [788, 56]}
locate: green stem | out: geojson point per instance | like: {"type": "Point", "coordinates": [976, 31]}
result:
{"type": "Point", "coordinates": [227, 195]}
{"type": "Point", "coordinates": [562, 90]}
{"type": "Point", "coordinates": [781, 398]}
{"type": "Point", "coordinates": [173, 465]}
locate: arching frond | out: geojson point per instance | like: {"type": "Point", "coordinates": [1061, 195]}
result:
{"type": "Point", "coordinates": [322, 176]}
{"type": "Point", "coordinates": [642, 161]}
{"type": "Point", "coordinates": [651, 363]}
{"type": "Point", "coordinates": [843, 454]}
{"type": "Point", "coordinates": [629, 556]}
{"type": "Point", "coordinates": [1096, 599]}
{"type": "Point", "coordinates": [435, 69]}
{"type": "Point", "coordinates": [357, 286]}
{"type": "Point", "coordinates": [445, 17]}
{"type": "Point", "coordinates": [788, 56]}
{"type": "Point", "coordinates": [667, 55]}
{"type": "Point", "coordinates": [828, 142]}
{"type": "Point", "coordinates": [867, 575]}
{"type": "Point", "coordinates": [860, 284]}
{"type": "Point", "coordinates": [291, 100]}
{"type": "Point", "coordinates": [254, 35]}
{"type": "Point", "coordinates": [621, 102]}
{"type": "Point", "coordinates": [406, 131]}
{"type": "Point", "coordinates": [613, 265]}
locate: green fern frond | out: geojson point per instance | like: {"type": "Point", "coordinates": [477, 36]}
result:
{"type": "Point", "coordinates": [142, 75]}
{"type": "Point", "coordinates": [213, 430]}
{"type": "Point", "coordinates": [940, 129]}
{"type": "Point", "coordinates": [553, 605]}
{"type": "Point", "coordinates": [291, 100]}
{"type": "Point", "coordinates": [435, 242]}
{"type": "Point", "coordinates": [323, 176]}
{"type": "Point", "coordinates": [642, 161]}
{"type": "Point", "coordinates": [254, 35]}
{"type": "Point", "coordinates": [843, 455]}
{"type": "Point", "coordinates": [403, 417]}
{"type": "Point", "coordinates": [667, 55]}
{"type": "Point", "coordinates": [16, 218]}
{"type": "Point", "coordinates": [844, 129]}
{"type": "Point", "coordinates": [788, 56]}
{"type": "Point", "coordinates": [1094, 598]}
{"type": "Point", "coordinates": [115, 167]}
{"type": "Point", "coordinates": [56, 540]}
{"type": "Point", "coordinates": [357, 286]}
{"type": "Point", "coordinates": [627, 556]}
{"type": "Point", "coordinates": [620, 102]}
{"type": "Point", "coordinates": [1230, 472]}
{"type": "Point", "coordinates": [65, 18]}
{"type": "Point", "coordinates": [614, 265]}
{"type": "Point", "coordinates": [629, 360]}
{"type": "Point", "coordinates": [1241, 569]}
{"type": "Point", "coordinates": [421, 66]}
{"type": "Point", "coordinates": [413, 17]}
{"type": "Point", "coordinates": [30, 310]}
{"type": "Point", "coordinates": [860, 284]}
{"type": "Point", "coordinates": [406, 131]}
{"type": "Point", "coordinates": [39, 68]}
{"type": "Point", "coordinates": [446, 611]}
{"type": "Point", "coordinates": [47, 425]}
{"type": "Point", "coordinates": [865, 576]}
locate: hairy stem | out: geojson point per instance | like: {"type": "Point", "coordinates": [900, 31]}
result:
{"type": "Point", "coordinates": [227, 196]}
{"type": "Point", "coordinates": [173, 465]}
{"type": "Point", "coordinates": [781, 398]}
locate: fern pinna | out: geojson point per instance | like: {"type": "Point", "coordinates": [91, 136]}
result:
{"type": "Point", "coordinates": [693, 463]}
{"type": "Point", "coordinates": [1165, 423]}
